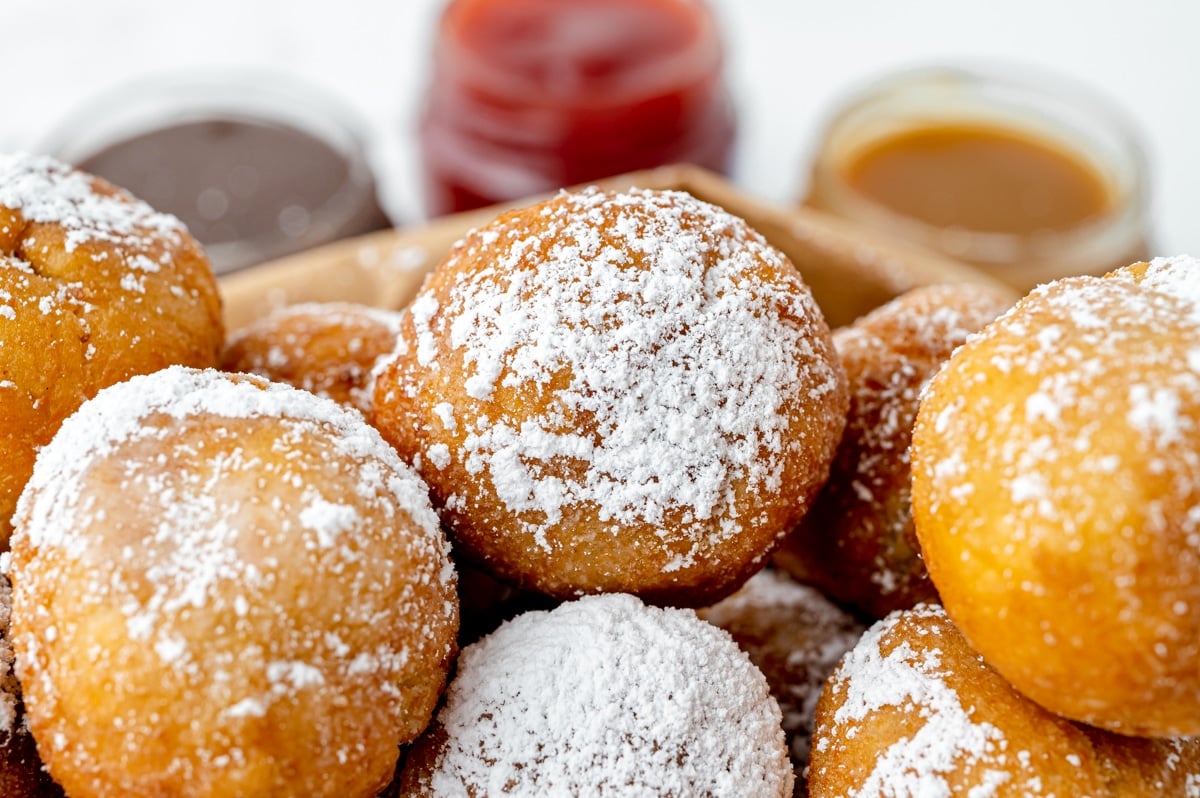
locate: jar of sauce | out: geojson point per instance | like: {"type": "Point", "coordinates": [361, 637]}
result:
{"type": "Point", "coordinates": [256, 166]}
{"type": "Point", "coordinates": [528, 96]}
{"type": "Point", "coordinates": [1024, 179]}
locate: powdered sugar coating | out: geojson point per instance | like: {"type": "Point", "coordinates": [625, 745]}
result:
{"type": "Point", "coordinates": [913, 711]}
{"type": "Point", "coordinates": [44, 190]}
{"type": "Point", "coordinates": [947, 740]}
{"type": "Point", "coordinates": [119, 415]}
{"type": "Point", "coordinates": [1177, 276]}
{"type": "Point", "coordinates": [616, 361]}
{"type": "Point", "coordinates": [606, 696]}
{"type": "Point", "coordinates": [796, 637]}
{"type": "Point", "coordinates": [678, 363]}
{"type": "Point", "coordinates": [94, 286]}
{"type": "Point", "coordinates": [252, 547]}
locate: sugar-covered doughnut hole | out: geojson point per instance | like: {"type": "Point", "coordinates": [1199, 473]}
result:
{"type": "Point", "coordinates": [224, 586]}
{"type": "Point", "coordinates": [1056, 495]}
{"type": "Point", "coordinates": [857, 543]}
{"type": "Point", "coordinates": [616, 392]}
{"type": "Point", "coordinates": [603, 696]}
{"type": "Point", "coordinates": [329, 348]}
{"type": "Point", "coordinates": [95, 287]}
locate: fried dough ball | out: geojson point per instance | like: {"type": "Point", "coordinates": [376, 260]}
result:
{"type": "Point", "coordinates": [21, 772]}
{"type": "Point", "coordinates": [224, 586]}
{"type": "Point", "coordinates": [796, 637]}
{"type": "Point", "coordinates": [616, 392]}
{"type": "Point", "coordinates": [1056, 495]}
{"type": "Point", "coordinates": [913, 710]}
{"type": "Point", "coordinates": [603, 696]}
{"type": "Point", "coordinates": [857, 544]}
{"type": "Point", "coordinates": [94, 288]}
{"type": "Point", "coordinates": [329, 348]}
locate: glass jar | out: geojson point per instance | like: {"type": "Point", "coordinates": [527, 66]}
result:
{"type": "Point", "coordinates": [1027, 178]}
{"type": "Point", "coordinates": [531, 95]}
{"type": "Point", "coordinates": [257, 166]}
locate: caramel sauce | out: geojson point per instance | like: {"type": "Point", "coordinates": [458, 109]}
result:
{"type": "Point", "coordinates": [980, 178]}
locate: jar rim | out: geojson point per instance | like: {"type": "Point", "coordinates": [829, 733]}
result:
{"type": "Point", "coordinates": [1009, 97]}
{"type": "Point", "coordinates": [161, 100]}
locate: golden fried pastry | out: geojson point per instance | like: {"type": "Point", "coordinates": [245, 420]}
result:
{"type": "Point", "coordinates": [616, 392]}
{"type": "Point", "coordinates": [857, 544]}
{"type": "Point", "coordinates": [796, 637]}
{"type": "Point", "coordinates": [603, 696]}
{"type": "Point", "coordinates": [224, 586]}
{"type": "Point", "coordinates": [1056, 496]}
{"type": "Point", "coordinates": [21, 772]}
{"type": "Point", "coordinates": [94, 287]}
{"type": "Point", "coordinates": [912, 710]}
{"type": "Point", "coordinates": [329, 348]}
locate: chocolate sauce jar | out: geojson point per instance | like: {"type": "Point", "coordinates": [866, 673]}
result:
{"type": "Point", "coordinates": [257, 166]}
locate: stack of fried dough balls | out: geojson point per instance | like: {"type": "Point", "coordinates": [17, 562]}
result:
{"type": "Point", "coordinates": [224, 586]}
{"type": "Point", "coordinates": [1056, 494]}
{"type": "Point", "coordinates": [612, 392]}
{"type": "Point", "coordinates": [95, 287]}
{"type": "Point", "coordinates": [857, 544]}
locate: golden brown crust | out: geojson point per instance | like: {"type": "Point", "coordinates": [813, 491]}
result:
{"type": "Point", "coordinates": [224, 586]}
{"type": "Point", "coordinates": [94, 288]}
{"type": "Point", "coordinates": [330, 348]}
{"type": "Point", "coordinates": [913, 710]}
{"type": "Point", "coordinates": [616, 393]}
{"type": "Point", "coordinates": [1056, 493]}
{"type": "Point", "coordinates": [857, 544]}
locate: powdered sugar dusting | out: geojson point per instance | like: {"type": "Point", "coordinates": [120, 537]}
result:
{"type": "Point", "coordinates": [947, 741]}
{"type": "Point", "coordinates": [44, 190]}
{"type": "Point", "coordinates": [1177, 276]}
{"type": "Point", "coordinates": [796, 637]}
{"type": "Point", "coordinates": [889, 356]}
{"type": "Point", "coordinates": [671, 358]}
{"type": "Point", "coordinates": [119, 414]}
{"type": "Point", "coordinates": [257, 546]}
{"type": "Point", "coordinates": [196, 541]}
{"type": "Point", "coordinates": [1069, 388]}
{"type": "Point", "coordinates": [605, 695]}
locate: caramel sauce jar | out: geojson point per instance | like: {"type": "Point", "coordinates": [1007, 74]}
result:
{"type": "Point", "coordinates": [1024, 177]}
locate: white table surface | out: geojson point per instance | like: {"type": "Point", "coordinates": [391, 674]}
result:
{"type": "Point", "coordinates": [790, 63]}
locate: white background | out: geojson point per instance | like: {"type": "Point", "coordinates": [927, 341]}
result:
{"type": "Point", "coordinates": [790, 62]}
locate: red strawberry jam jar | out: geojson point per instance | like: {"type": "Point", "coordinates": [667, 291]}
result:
{"type": "Point", "coordinates": [527, 96]}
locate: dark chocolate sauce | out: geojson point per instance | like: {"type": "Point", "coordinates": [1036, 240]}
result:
{"type": "Point", "coordinates": [248, 190]}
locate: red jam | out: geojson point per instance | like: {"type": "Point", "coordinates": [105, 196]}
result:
{"type": "Point", "coordinates": [531, 95]}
